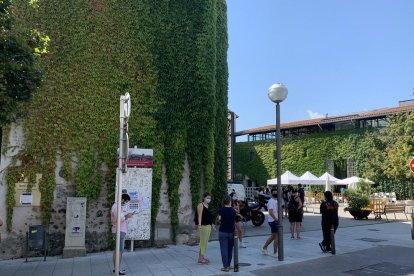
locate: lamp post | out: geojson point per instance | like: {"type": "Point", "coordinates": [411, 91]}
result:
{"type": "Point", "coordinates": [277, 93]}
{"type": "Point", "coordinates": [124, 113]}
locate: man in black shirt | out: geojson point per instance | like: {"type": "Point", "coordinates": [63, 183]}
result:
{"type": "Point", "coordinates": [329, 211]}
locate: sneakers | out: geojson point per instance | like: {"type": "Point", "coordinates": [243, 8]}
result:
{"type": "Point", "coordinates": [121, 272]}
{"type": "Point", "coordinates": [264, 252]}
{"type": "Point", "coordinates": [322, 248]}
{"type": "Point", "coordinates": [242, 245]}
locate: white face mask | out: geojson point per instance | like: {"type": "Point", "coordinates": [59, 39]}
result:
{"type": "Point", "coordinates": [207, 200]}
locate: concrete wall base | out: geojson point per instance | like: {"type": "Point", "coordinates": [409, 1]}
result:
{"type": "Point", "coordinates": [71, 252]}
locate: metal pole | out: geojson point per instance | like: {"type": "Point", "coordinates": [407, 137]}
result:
{"type": "Point", "coordinates": [119, 187]}
{"type": "Point", "coordinates": [279, 186]}
{"type": "Point", "coordinates": [412, 223]}
{"type": "Point", "coordinates": [233, 142]}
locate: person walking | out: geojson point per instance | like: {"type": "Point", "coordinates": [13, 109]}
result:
{"type": "Point", "coordinates": [237, 205]}
{"type": "Point", "coordinates": [329, 211]}
{"type": "Point", "coordinates": [273, 222]}
{"type": "Point", "coordinates": [227, 217]}
{"type": "Point", "coordinates": [295, 209]}
{"type": "Point", "coordinates": [124, 228]}
{"type": "Point", "coordinates": [286, 193]}
{"type": "Point", "coordinates": [204, 225]}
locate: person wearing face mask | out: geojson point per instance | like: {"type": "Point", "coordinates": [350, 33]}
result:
{"type": "Point", "coordinates": [204, 225]}
{"type": "Point", "coordinates": [124, 226]}
{"type": "Point", "coordinates": [273, 221]}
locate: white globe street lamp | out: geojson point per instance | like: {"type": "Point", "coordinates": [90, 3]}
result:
{"type": "Point", "coordinates": [277, 93]}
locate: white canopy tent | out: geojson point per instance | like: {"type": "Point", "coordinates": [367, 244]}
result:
{"type": "Point", "coordinates": [287, 178]}
{"type": "Point", "coordinates": [309, 178]}
{"type": "Point", "coordinates": [329, 180]}
{"type": "Point", "coordinates": [353, 181]}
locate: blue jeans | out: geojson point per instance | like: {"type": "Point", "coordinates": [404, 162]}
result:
{"type": "Point", "coordinates": [122, 243]}
{"type": "Point", "coordinates": [226, 247]}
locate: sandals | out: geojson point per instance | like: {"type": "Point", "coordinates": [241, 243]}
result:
{"type": "Point", "coordinates": [203, 261]}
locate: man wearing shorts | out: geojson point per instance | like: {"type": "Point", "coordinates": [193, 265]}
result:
{"type": "Point", "coordinates": [124, 227]}
{"type": "Point", "coordinates": [273, 222]}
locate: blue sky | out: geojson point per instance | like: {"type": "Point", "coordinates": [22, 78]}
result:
{"type": "Point", "coordinates": [334, 56]}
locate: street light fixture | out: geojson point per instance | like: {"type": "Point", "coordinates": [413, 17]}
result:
{"type": "Point", "coordinates": [277, 93]}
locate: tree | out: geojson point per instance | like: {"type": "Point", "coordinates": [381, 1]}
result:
{"type": "Point", "coordinates": [20, 73]}
{"type": "Point", "coordinates": [385, 156]}
{"type": "Point", "coordinates": [400, 149]}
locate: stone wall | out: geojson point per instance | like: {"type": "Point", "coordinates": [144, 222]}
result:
{"type": "Point", "coordinates": [12, 244]}
{"type": "Point", "coordinates": [186, 231]}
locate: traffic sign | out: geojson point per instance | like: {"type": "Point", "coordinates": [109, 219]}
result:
{"type": "Point", "coordinates": [412, 165]}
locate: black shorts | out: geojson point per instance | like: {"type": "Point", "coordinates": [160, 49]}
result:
{"type": "Point", "coordinates": [295, 217]}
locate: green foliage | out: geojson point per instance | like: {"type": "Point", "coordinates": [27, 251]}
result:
{"type": "Point", "coordinates": [169, 55]}
{"type": "Point", "coordinates": [221, 134]}
{"type": "Point", "coordinates": [299, 154]}
{"type": "Point", "coordinates": [20, 74]}
{"type": "Point", "coordinates": [364, 188]}
{"type": "Point", "coordinates": [356, 200]}
{"type": "Point", "coordinates": [385, 156]}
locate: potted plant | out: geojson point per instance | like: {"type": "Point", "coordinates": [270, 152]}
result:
{"type": "Point", "coordinates": [357, 204]}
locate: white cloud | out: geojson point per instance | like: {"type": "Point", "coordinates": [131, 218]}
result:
{"type": "Point", "coordinates": [314, 115]}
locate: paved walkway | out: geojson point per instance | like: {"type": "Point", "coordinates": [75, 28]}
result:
{"type": "Point", "coordinates": [393, 238]}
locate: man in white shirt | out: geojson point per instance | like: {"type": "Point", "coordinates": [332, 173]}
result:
{"type": "Point", "coordinates": [273, 222]}
{"type": "Point", "coordinates": [124, 227]}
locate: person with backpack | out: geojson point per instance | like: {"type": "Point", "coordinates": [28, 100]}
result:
{"type": "Point", "coordinates": [329, 211]}
{"type": "Point", "coordinates": [295, 209]}
{"type": "Point", "coordinates": [204, 222]}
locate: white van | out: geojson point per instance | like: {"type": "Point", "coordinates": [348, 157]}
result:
{"type": "Point", "coordinates": [239, 188]}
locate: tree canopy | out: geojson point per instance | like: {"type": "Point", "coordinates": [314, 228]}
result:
{"type": "Point", "coordinates": [20, 73]}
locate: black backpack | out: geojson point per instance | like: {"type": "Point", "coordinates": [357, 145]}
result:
{"type": "Point", "coordinates": [196, 217]}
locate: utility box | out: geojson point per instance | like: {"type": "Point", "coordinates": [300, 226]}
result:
{"type": "Point", "coordinates": [75, 227]}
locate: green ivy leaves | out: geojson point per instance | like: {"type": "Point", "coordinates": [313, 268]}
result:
{"type": "Point", "coordinates": [169, 55]}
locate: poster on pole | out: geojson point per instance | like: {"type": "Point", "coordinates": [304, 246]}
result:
{"type": "Point", "coordinates": [137, 183]}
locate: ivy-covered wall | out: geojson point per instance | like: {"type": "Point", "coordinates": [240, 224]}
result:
{"type": "Point", "coordinates": [171, 56]}
{"type": "Point", "coordinates": [299, 154]}
{"type": "Point", "coordinates": [372, 150]}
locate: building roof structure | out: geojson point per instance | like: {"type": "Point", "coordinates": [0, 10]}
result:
{"type": "Point", "coordinates": [324, 122]}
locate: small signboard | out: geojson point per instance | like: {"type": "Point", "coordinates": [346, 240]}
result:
{"type": "Point", "coordinates": [139, 158]}
{"type": "Point", "coordinates": [25, 197]}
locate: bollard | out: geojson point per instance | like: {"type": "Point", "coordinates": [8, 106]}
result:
{"type": "Point", "coordinates": [333, 241]}
{"type": "Point", "coordinates": [236, 253]}
{"type": "Point", "coordinates": [412, 223]}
